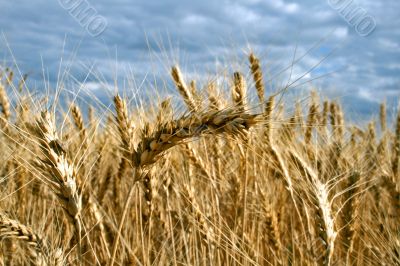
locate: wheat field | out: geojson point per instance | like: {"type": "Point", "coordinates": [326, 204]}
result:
{"type": "Point", "coordinates": [227, 181]}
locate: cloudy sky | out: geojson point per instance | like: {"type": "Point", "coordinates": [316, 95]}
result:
{"type": "Point", "coordinates": [142, 39]}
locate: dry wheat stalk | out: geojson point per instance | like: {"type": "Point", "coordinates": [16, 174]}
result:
{"type": "Point", "coordinates": [382, 116]}
{"type": "Point", "coordinates": [195, 93]}
{"type": "Point", "coordinates": [272, 227]}
{"type": "Point", "coordinates": [213, 99]}
{"type": "Point", "coordinates": [62, 174]}
{"type": "Point", "coordinates": [183, 90]}
{"type": "Point", "coordinates": [324, 121]}
{"type": "Point", "coordinates": [349, 211]}
{"type": "Point", "coordinates": [124, 125]}
{"type": "Point", "coordinates": [125, 129]}
{"type": "Point", "coordinates": [324, 217]}
{"type": "Point", "coordinates": [175, 132]}
{"type": "Point", "coordinates": [196, 159]}
{"type": "Point", "coordinates": [165, 113]}
{"type": "Point", "coordinates": [206, 231]}
{"type": "Point", "coordinates": [311, 119]}
{"type": "Point", "coordinates": [269, 107]}
{"type": "Point", "coordinates": [239, 90]}
{"type": "Point", "coordinates": [257, 76]}
{"type": "Point", "coordinates": [4, 103]}
{"type": "Point", "coordinates": [78, 120]}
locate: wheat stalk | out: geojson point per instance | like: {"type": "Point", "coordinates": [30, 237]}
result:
{"type": "Point", "coordinates": [4, 103]}
{"type": "Point", "coordinates": [257, 76]}
{"type": "Point", "coordinates": [183, 90]}
{"type": "Point", "coordinates": [175, 132]}
{"type": "Point", "coordinates": [63, 178]}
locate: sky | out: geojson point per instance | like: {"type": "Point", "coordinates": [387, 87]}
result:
{"type": "Point", "coordinates": [308, 44]}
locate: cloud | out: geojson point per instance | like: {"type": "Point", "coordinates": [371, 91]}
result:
{"type": "Point", "coordinates": [145, 37]}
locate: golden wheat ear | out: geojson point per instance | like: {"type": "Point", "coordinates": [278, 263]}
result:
{"type": "Point", "coordinates": [239, 90]}
{"type": "Point", "coordinates": [256, 70]}
{"type": "Point", "coordinates": [79, 123]}
{"type": "Point", "coordinates": [4, 103]}
{"type": "Point", "coordinates": [183, 89]}
{"type": "Point", "coordinates": [62, 174]}
{"type": "Point", "coordinates": [37, 247]}
{"type": "Point", "coordinates": [175, 132]}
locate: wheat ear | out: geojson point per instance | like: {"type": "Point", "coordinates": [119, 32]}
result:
{"type": "Point", "coordinates": [324, 217]}
{"type": "Point", "coordinates": [4, 103]}
{"type": "Point", "coordinates": [78, 121]}
{"type": "Point", "coordinates": [63, 178]}
{"type": "Point", "coordinates": [10, 228]}
{"type": "Point", "coordinates": [175, 132]}
{"type": "Point", "coordinates": [239, 90]}
{"type": "Point", "coordinates": [257, 76]}
{"type": "Point", "coordinates": [183, 89]}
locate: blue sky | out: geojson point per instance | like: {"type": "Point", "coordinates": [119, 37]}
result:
{"type": "Point", "coordinates": [144, 38]}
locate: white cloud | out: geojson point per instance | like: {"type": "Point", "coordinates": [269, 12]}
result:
{"type": "Point", "coordinates": [194, 19]}
{"type": "Point", "coordinates": [288, 8]}
{"type": "Point", "coordinates": [291, 8]}
{"type": "Point", "coordinates": [341, 32]}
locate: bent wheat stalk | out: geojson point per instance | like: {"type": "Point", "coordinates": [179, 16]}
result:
{"type": "Point", "coordinates": [175, 132]}
{"type": "Point", "coordinates": [324, 217]}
